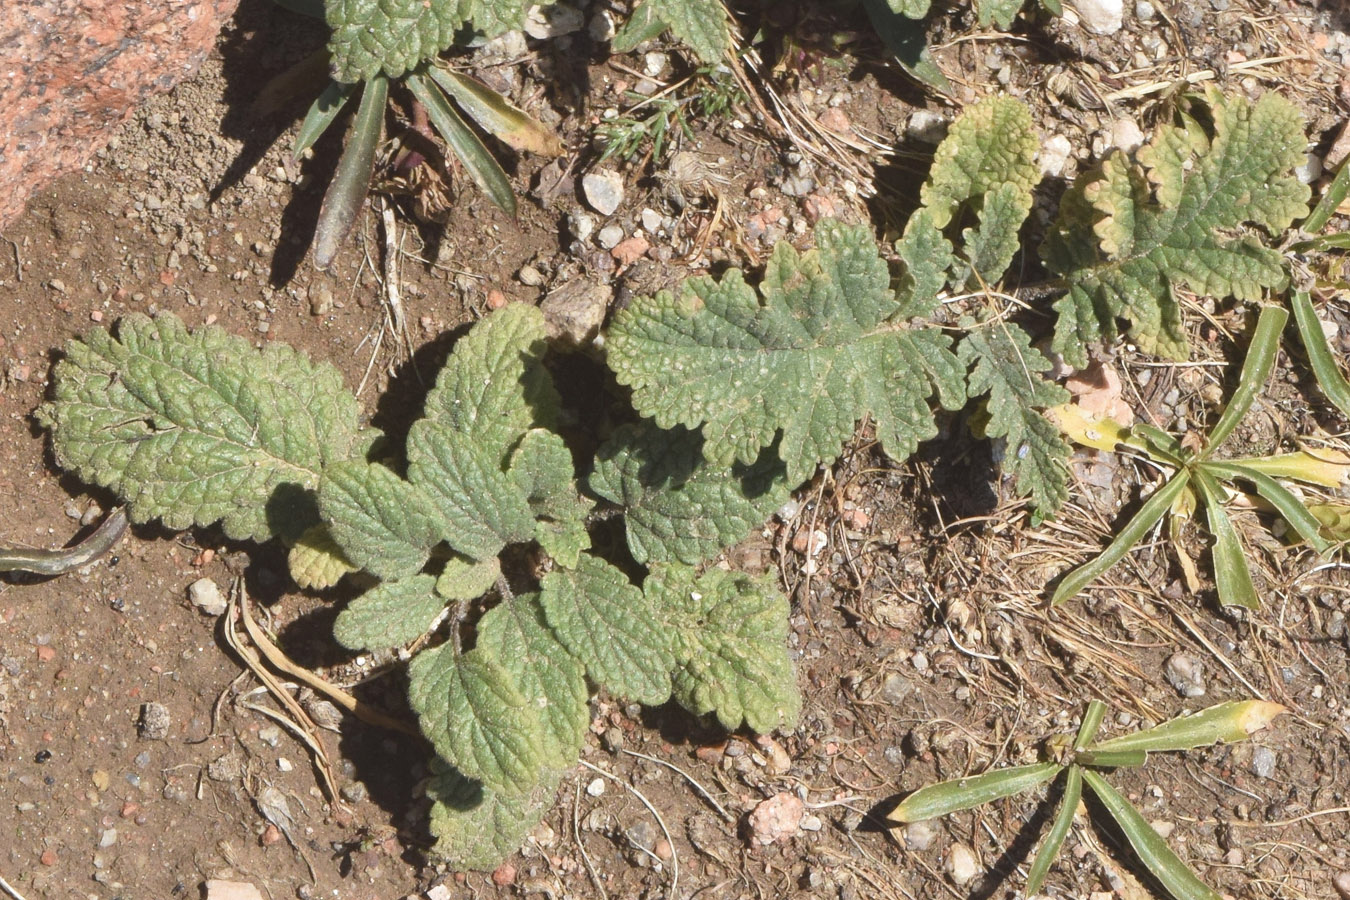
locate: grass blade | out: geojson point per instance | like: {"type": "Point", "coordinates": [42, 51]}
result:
{"type": "Point", "coordinates": [1331, 200]}
{"type": "Point", "coordinates": [1224, 723]}
{"type": "Point", "coordinates": [322, 112]}
{"type": "Point", "coordinates": [1152, 850]}
{"type": "Point", "coordinates": [347, 192]}
{"type": "Point", "coordinates": [1068, 807]}
{"type": "Point", "coordinates": [1255, 371]}
{"type": "Point", "coordinates": [964, 793]}
{"type": "Point", "coordinates": [1329, 377]}
{"type": "Point", "coordinates": [1158, 443]}
{"type": "Point", "coordinates": [1289, 507]}
{"type": "Point", "coordinates": [1328, 468]}
{"type": "Point", "coordinates": [1232, 576]}
{"type": "Point", "coordinates": [1112, 759]}
{"type": "Point", "coordinates": [1092, 720]}
{"type": "Point", "coordinates": [1149, 514]}
{"type": "Point", "coordinates": [496, 116]}
{"type": "Point", "coordinates": [482, 166]}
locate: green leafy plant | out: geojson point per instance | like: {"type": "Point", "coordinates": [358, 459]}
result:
{"type": "Point", "coordinates": [660, 120]}
{"type": "Point", "coordinates": [199, 427]}
{"type": "Point", "coordinates": [699, 24]}
{"type": "Point", "coordinates": [1081, 761]}
{"type": "Point", "coordinates": [1200, 479]}
{"type": "Point", "coordinates": [378, 45]}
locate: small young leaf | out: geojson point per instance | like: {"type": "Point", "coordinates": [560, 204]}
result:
{"type": "Point", "coordinates": [476, 827]}
{"type": "Point", "coordinates": [1068, 808]}
{"type": "Point", "coordinates": [1153, 509]}
{"type": "Point", "coordinates": [990, 247]}
{"type": "Point", "coordinates": [807, 358]}
{"type": "Point", "coordinates": [1008, 369]}
{"type": "Point", "coordinates": [998, 12]}
{"type": "Point", "coordinates": [676, 506]}
{"type": "Point", "coordinates": [928, 257]}
{"type": "Point", "coordinates": [1320, 356]}
{"type": "Point", "coordinates": [1328, 468]}
{"type": "Point", "coordinates": [619, 635]}
{"type": "Point", "coordinates": [195, 428]}
{"type": "Point", "coordinates": [472, 711]}
{"type": "Point", "coordinates": [730, 646]}
{"type": "Point", "coordinates": [1128, 233]}
{"type": "Point", "coordinates": [1232, 576]}
{"type": "Point", "coordinates": [1179, 880]}
{"type": "Point", "coordinates": [1111, 759]}
{"type": "Point", "coordinates": [322, 112]}
{"type": "Point", "coordinates": [1092, 720]}
{"type": "Point", "coordinates": [990, 147]}
{"type": "Point", "coordinates": [390, 614]}
{"type": "Point", "coordinates": [347, 191]}
{"type": "Point", "coordinates": [382, 523]}
{"type": "Point", "coordinates": [465, 579]}
{"type": "Point", "coordinates": [700, 24]}
{"type": "Point", "coordinates": [542, 468]}
{"type": "Point", "coordinates": [515, 633]}
{"type": "Point", "coordinates": [965, 793]}
{"type": "Point", "coordinates": [1224, 723]}
{"type": "Point", "coordinates": [1331, 200]}
{"type": "Point", "coordinates": [316, 561]}
{"type": "Point", "coordinates": [1256, 368]}
{"type": "Point", "coordinates": [478, 160]}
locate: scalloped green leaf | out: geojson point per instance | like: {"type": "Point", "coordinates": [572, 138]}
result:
{"type": "Point", "coordinates": [1130, 233]}
{"type": "Point", "coordinates": [465, 579]}
{"type": "Point", "coordinates": [676, 506]}
{"type": "Point", "coordinates": [198, 427]}
{"type": "Point", "coordinates": [999, 13]}
{"type": "Point", "coordinates": [542, 466]}
{"type": "Point", "coordinates": [316, 561]}
{"type": "Point", "coordinates": [390, 614]}
{"type": "Point", "coordinates": [989, 247]}
{"type": "Point", "coordinates": [392, 36]}
{"type": "Point", "coordinates": [517, 635]}
{"type": "Point", "coordinates": [475, 827]}
{"type": "Point", "coordinates": [473, 712]}
{"type": "Point", "coordinates": [616, 632]}
{"type": "Point", "coordinates": [991, 146]}
{"type": "Point", "coordinates": [382, 523]}
{"type": "Point", "coordinates": [731, 632]}
{"type": "Point", "coordinates": [1008, 369]}
{"type": "Point", "coordinates": [805, 359]}
{"type": "Point", "coordinates": [928, 257]}
{"type": "Point", "coordinates": [700, 25]}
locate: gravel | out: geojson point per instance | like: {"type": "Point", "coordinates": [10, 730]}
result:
{"type": "Point", "coordinates": [603, 191]}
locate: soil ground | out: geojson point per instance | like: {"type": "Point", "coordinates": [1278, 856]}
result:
{"type": "Point", "coordinates": [924, 646]}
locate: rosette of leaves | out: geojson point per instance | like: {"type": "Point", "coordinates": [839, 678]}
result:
{"type": "Point", "coordinates": [377, 45]}
{"type": "Point", "coordinates": [1200, 479]}
{"type": "Point", "coordinates": [1082, 761]}
{"type": "Point", "coordinates": [1195, 207]}
{"type": "Point", "coordinates": [195, 428]}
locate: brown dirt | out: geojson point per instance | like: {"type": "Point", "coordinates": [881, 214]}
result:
{"type": "Point", "coordinates": [923, 643]}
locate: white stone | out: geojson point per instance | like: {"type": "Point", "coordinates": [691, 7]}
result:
{"type": "Point", "coordinates": [1102, 17]}
{"type": "Point", "coordinates": [1310, 170]}
{"type": "Point", "coordinates": [919, 836]}
{"type": "Point", "coordinates": [1054, 155]}
{"type": "Point", "coordinates": [553, 21]}
{"type": "Point", "coordinates": [1125, 134]}
{"type": "Point", "coordinates": [205, 595]}
{"type": "Point", "coordinates": [962, 865]}
{"type": "Point", "coordinates": [927, 126]}
{"type": "Point", "coordinates": [596, 787]}
{"type": "Point", "coordinates": [603, 190]}
{"type": "Point", "coordinates": [611, 236]}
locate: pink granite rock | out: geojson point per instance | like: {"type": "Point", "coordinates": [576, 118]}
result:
{"type": "Point", "coordinates": [71, 71]}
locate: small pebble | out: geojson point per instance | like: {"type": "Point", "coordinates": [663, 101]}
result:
{"type": "Point", "coordinates": [962, 865]}
{"type": "Point", "coordinates": [1102, 17]}
{"type": "Point", "coordinates": [776, 820]}
{"type": "Point", "coordinates": [205, 595]}
{"type": "Point", "coordinates": [270, 735]}
{"type": "Point", "coordinates": [596, 787]}
{"type": "Point", "coordinates": [610, 236]}
{"type": "Point", "coordinates": [530, 276]}
{"type": "Point", "coordinates": [603, 191]}
{"type": "Point", "coordinates": [107, 838]}
{"type": "Point", "coordinates": [284, 764]}
{"type": "Point", "coordinates": [811, 823]}
{"type": "Point", "coordinates": [612, 739]}
{"type": "Point", "coordinates": [1263, 762]}
{"type": "Point", "coordinates": [1185, 674]}
{"type": "Point", "coordinates": [354, 791]}
{"type": "Point", "coordinates": [154, 722]}
{"type": "Point", "coordinates": [919, 836]}
{"type": "Point", "coordinates": [48, 858]}
{"type": "Point", "coordinates": [1342, 883]}
{"type": "Point", "coordinates": [504, 875]}
{"type": "Point", "coordinates": [642, 835]}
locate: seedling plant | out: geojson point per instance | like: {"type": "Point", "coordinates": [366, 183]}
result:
{"type": "Point", "coordinates": [1081, 761]}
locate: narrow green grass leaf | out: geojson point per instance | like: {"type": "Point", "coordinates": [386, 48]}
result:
{"type": "Point", "coordinates": [1068, 807]}
{"type": "Point", "coordinates": [1256, 368]}
{"type": "Point", "coordinates": [964, 793]}
{"type": "Point", "coordinates": [1158, 443]}
{"type": "Point", "coordinates": [1092, 720]}
{"type": "Point", "coordinates": [1222, 723]}
{"type": "Point", "coordinates": [1328, 468]}
{"type": "Point", "coordinates": [1331, 200]}
{"type": "Point", "coordinates": [322, 112]}
{"type": "Point", "coordinates": [1153, 851]}
{"type": "Point", "coordinates": [481, 165]}
{"type": "Point", "coordinates": [1152, 510]}
{"type": "Point", "coordinates": [496, 115]}
{"type": "Point", "coordinates": [1323, 361]}
{"type": "Point", "coordinates": [1232, 576]}
{"type": "Point", "coordinates": [347, 191]}
{"type": "Point", "coordinates": [1111, 759]}
{"type": "Point", "coordinates": [1290, 507]}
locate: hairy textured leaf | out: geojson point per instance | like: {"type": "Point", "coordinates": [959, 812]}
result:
{"type": "Point", "coordinates": [390, 614]}
{"type": "Point", "coordinates": [991, 145]}
{"type": "Point", "coordinates": [928, 256]}
{"type": "Point", "coordinates": [199, 427]}
{"type": "Point", "coordinates": [731, 633]}
{"type": "Point", "coordinates": [476, 827]}
{"type": "Point", "coordinates": [676, 506]}
{"type": "Point", "coordinates": [382, 523]}
{"type": "Point", "coordinates": [990, 246]}
{"type": "Point", "coordinates": [316, 561]}
{"type": "Point", "coordinates": [465, 579]}
{"type": "Point", "coordinates": [912, 9]}
{"type": "Point", "coordinates": [808, 357]}
{"type": "Point", "coordinates": [1008, 369]}
{"type": "Point", "coordinates": [699, 24]}
{"type": "Point", "coordinates": [999, 12]}
{"type": "Point", "coordinates": [393, 36]}
{"type": "Point", "coordinates": [476, 717]}
{"type": "Point", "coordinates": [516, 634]}
{"type": "Point", "coordinates": [620, 636]}
{"type": "Point", "coordinates": [1130, 233]}
{"type": "Point", "coordinates": [542, 467]}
